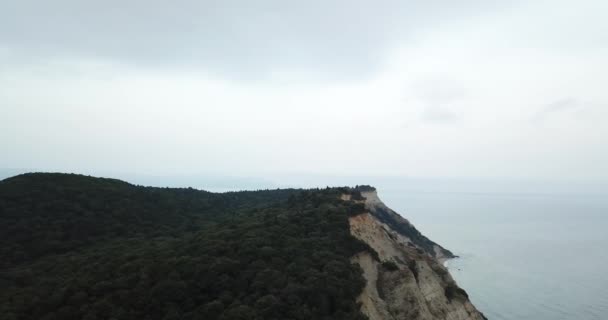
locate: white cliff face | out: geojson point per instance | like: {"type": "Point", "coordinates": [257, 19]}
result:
{"type": "Point", "coordinates": [374, 307]}
{"type": "Point", "coordinates": [415, 285]}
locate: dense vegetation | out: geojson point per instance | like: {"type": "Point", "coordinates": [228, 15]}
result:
{"type": "Point", "coordinates": [76, 247]}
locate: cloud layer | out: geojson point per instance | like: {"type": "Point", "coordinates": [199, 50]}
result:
{"type": "Point", "coordinates": [390, 88]}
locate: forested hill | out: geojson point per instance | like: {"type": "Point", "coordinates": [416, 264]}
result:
{"type": "Point", "coordinates": [46, 214]}
{"type": "Point", "coordinates": [78, 247]}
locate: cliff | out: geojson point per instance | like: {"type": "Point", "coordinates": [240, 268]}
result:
{"type": "Point", "coordinates": [406, 279]}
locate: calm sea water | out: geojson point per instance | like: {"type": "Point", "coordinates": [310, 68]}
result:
{"type": "Point", "coordinates": [527, 256]}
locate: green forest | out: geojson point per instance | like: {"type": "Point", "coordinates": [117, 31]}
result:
{"type": "Point", "coordinates": [78, 247]}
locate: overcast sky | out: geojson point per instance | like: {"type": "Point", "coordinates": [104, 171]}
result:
{"type": "Point", "coordinates": [440, 88]}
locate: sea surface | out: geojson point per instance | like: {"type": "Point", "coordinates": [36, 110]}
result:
{"type": "Point", "coordinates": [541, 256]}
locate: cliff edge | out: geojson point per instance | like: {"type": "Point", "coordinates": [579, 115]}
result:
{"type": "Point", "coordinates": [405, 276]}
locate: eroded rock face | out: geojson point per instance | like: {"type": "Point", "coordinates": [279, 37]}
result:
{"type": "Point", "coordinates": [407, 280]}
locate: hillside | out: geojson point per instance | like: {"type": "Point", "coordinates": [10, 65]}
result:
{"type": "Point", "coordinates": [77, 247]}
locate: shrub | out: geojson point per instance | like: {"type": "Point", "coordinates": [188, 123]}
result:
{"type": "Point", "coordinates": [390, 266]}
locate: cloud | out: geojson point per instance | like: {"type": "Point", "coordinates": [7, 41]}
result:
{"type": "Point", "coordinates": [240, 87]}
{"type": "Point", "coordinates": [556, 107]}
{"type": "Point", "coordinates": [336, 39]}
{"type": "Point", "coordinates": [562, 104]}
{"type": "Point", "coordinates": [439, 115]}
{"type": "Point", "coordinates": [440, 98]}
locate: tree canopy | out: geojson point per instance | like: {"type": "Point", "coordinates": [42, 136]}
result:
{"type": "Point", "coordinates": [77, 247]}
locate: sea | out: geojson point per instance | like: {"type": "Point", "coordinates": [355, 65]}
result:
{"type": "Point", "coordinates": [537, 254]}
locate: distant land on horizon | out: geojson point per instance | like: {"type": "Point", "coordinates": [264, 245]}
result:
{"type": "Point", "coordinates": [221, 183]}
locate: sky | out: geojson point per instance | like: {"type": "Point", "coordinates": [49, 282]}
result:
{"type": "Point", "coordinates": [438, 88]}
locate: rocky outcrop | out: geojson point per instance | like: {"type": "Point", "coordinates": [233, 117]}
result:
{"type": "Point", "coordinates": [403, 269]}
